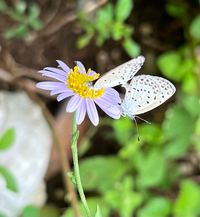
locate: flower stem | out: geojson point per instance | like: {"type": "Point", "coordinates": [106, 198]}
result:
{"type": "Point", "coordinates": [75, 135]}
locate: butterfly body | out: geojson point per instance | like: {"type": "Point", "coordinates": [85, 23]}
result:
{"type": "Point", "coordinates": [144, 93]}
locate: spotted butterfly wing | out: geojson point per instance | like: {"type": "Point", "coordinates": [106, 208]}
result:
{"type": "Point", "coordinates": [120, 74]}
{"type": "Point", "coordinates": [144, 93]}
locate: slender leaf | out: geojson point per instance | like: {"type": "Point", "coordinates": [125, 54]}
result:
{"type": "Point", "coordinates": [131, 47]}
{"type": "Point", "coordinates": [9, 178]}
{"type": "Point", "coordinates": [98, 213]}
{"type": "Point", "coordinates": [123, 9]}
{"type": "Point", "coordinates": [7, 139]}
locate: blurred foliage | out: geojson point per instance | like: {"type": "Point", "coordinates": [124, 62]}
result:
{"type": "Point", "coordinates": [49, 210]}
{"type": "Point", "coordinates": [25, 16]}
{"type": "Point", "coordinates": [30, 211]}
{"type": "Point", "coordinates": [142, 177]}
{"type": "Point", "coordinates": [189, 192]}
{"type": "Point", "coordinates": [9, 178]}
{"type": "Point", "coordinates": [92, 203]}
{"type": "Point", "coordinates": [109, 23]}
{"type": "Point", "coordinates": [98, 213]}
{"type": "Point", "coordinates": [6, 141]}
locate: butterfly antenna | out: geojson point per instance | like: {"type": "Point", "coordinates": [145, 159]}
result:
{"type": "Point", "coordinates": [143, 120]}
{"type": "Point", "coordinates": [137, 129]}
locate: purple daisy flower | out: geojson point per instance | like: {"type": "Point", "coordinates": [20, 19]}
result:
{"type": "Point", "coordinates": [77, 83]}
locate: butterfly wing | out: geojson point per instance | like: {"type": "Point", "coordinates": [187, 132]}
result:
{"type": "Point", "coordinates": [120, 74]}
{"type": "Point", "coordinates": [146, 92]}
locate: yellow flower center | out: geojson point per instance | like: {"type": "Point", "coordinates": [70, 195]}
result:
{"type": "Point", "coordinates": [78, 83]}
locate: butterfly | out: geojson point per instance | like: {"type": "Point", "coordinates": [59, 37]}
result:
{"type": "Point", "coordinates": [144, 93]}
{"type": "Point", "coordinates": [120, 74]}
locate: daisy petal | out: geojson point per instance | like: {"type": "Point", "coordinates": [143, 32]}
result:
{"type": "Point", "coordinates": [80, 112]}
{"type": "Point", "coordinates": [58, 71]}
{"type": "Point", "coordinates": [65, 95]}
{"type": "Point", "coordinates": [105, 105]}
{"type": "Point", "coordinates": [63, 65]}
{"type": "Point", "coordinates": [92, 111]}
{"type": "Point", "coordinates": [54, 75]}
{"type": "Point", "coordinates": [81, 67]}
{"type": "Point", "coordinates": [59, 90]}
{"type": "Point", "coordinates": [91, 73]}
{"type": "Point", "coordinates": [73, 103]}
{"type": "Point", "coordinates": [48, 85]}
{"type": "Point", "coordinates": [109, 112]}
{"type": "Point", "coordinates": [111, 90]}
{"type": "Point", "coordinates": [112, 95]}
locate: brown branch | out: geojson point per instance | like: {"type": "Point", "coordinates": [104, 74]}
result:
{"type": "Point", "coordinates": [91, 6]}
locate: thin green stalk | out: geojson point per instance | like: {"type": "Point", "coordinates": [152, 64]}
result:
{"type": "Point", "coordinates": [75, 135]}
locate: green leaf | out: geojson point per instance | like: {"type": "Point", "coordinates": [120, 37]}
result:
{"type": "Point", "coordinates": [15, 15]}
{"type": "Point", "coordinates": [92, 203]}
{"type": "Point", "coordinates": [72, 177]}
{"type": "Point", "coordinates": [190, 84]}
{"type": "Point", "coordinates": [197, 135]}
{"type": "Point", "coordinates": [9, 178]}
{"type": "Point", "coordinates": [98, 213]}
{"type": "Point", "coordinates": [100, 173]}
{"type": "Point", "coordinates": [117, 32]}
{"type": "Point", "coordinates": [10, 33]}
{"type": "Point", "coordinates": [34, 10]}
{"type": "Point", "coordinates": [2, 214]}
{"type": "Point", "coordinates": [19, 31]}
{"type": "Point", "coordinates": [123, 9]}
{"type": "Point", "coordinates": [178, 127]}
{"type": "Point", "coordinates": [20, 7]}
{"type": "Point", "coordinates": [7, 139]}
{"type": "Point", "coordinates": [151, 133]}
{"type": "Point", "coordinates": [31, 211]}
{"type": "Point", "coordinates": [156, 207]}
{"type": "Point", "coordinates": [194, 27]}
{"type": "Point", "coordinates": [131, 47]}
{"type": "Point", "coordinates": [175, 10]}
{"type": "Point", "coordinates": [123, 130]}
{"type": "Point", "coordinates": [99, 40]}
{"type": "Point", "coordinates": [178, 123]}
{"type": "Point", "coordinates": [178, 147]}
{"type": "Point", "coordinates": [191, 104]}
{"type": "Point", "coordinates": [169, 63]}
{"type": "Point", "coordinates": [187, 203]}
{"type": "Point", "coordinates": [83, 41]}
{"type": "Point", "coordinates": [104, 20]}
{"type": "Point", "coordinates": [130, 148]}
{"type": "Point", "coordinates": [148, 176]}
{"type": "Point", "coordinates": [35, 23]}
{"type": "Point", "coordinates": [186, 67]}
{"type": "Point", "coordinates": [124, 199]}
{"type": "Point", "coordinates": [3, 6]}
{"type": "Point", "coordinates": [49, 210]}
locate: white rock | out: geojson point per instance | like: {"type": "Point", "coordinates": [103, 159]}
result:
{"type": "Point", "coordinates": [28, 157]}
